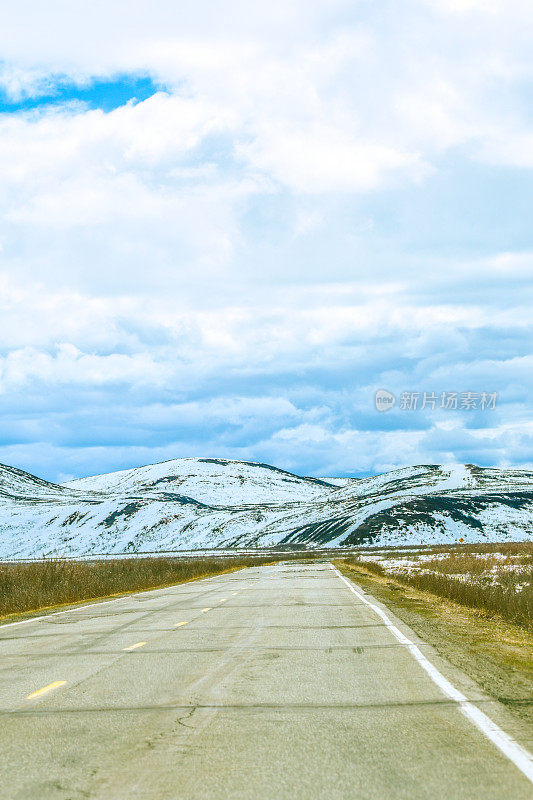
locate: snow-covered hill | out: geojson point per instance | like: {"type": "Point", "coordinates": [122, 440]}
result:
{"type": "Point", "coordinates": [209, 480]}
{"type": "Point", "coordinates": [209, 503]}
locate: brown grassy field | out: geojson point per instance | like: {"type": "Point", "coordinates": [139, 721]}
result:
{"type": "Point", "coordinates": [496, 579]}
{"type": "Point", "coordinates": [33, 586]}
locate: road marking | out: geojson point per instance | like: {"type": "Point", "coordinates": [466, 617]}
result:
{"type": "Point", "coordinates": [520, 757]}
{"type": "Point", "coordinates": [39, 692]}
{"type": "Point", "coordinates": [177, 625]}
{"type": "Point", "coordinates": [57, 613]}
{"type": "Point", "coordinates": [93, 605]}
{"type": "Point", "coordinates": [222, 600]}
{"type": "Point", "coordinates": [135, 646]}
{"type": "Point", "coordinates": [205, 609]}
{"type": "Point", "coordinates": [234, 593]}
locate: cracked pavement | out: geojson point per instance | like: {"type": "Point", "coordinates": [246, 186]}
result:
{"type": "Point", "coordinates": [271, 682]}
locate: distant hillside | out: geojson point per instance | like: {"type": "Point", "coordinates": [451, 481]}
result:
{"type": "Point", "coordinates": [207, 503]}
{"type": "Point", "coordinates": [210, 480]}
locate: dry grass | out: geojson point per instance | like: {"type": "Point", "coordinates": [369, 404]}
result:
{"type": "Point", "coordinates": [496, 584]}
{"type": "Point", "coordinates": [29, 587]}
{"type": "Point", "coordinates": [494, 652]}
{"type": "Point", "coordinates": [520, 549]}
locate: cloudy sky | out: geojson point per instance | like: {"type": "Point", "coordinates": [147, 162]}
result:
{"type": "Point", "coordinates": [225, 225]}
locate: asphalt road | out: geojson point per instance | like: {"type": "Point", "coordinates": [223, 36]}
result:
{"type": "Point", "coordinates": [272, 682]}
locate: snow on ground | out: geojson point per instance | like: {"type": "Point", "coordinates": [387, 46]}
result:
{"type": "Point", "coordinates": [209, 480]}
{"type": "Point", "coordinates": [197, 503]}
{"type": "Point", "coordinates": [510, 570]}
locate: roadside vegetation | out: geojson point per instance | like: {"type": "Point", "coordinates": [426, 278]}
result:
{"type": "Point", "coordinates": [28, 587]}
{"type": "Point", "coordinates": [493, 651]}
{"type": "Point", "coordinates": [497, 579]}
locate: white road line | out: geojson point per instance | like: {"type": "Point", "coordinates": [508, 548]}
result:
{"type": "Point", "coordinates": [93, 605]}
{"type": "Point", "coordinates": [520, 757]}
{"type": "Point", "coordinates": [57, 613]}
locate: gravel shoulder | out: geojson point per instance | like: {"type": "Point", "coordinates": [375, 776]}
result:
{"type": "Point", "coordinates": [497, 655]}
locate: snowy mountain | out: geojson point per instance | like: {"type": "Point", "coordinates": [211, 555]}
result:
{"type": "Point", "coordinates": [194, 503]}
{"type": "Point", "coordinates": [209, 480]}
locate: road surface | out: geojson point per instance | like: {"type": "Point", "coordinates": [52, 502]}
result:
{"type": "Point", "coordinates": [282, 681]}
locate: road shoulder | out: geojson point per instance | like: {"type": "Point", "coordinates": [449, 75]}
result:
{"type": "Point", "coordinates": [495, 655]}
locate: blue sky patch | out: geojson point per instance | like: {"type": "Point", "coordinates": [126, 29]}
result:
{"type": "Point", "coordinates": [106, 94]}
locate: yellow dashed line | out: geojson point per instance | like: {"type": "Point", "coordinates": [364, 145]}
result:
{"type": "Point", "coordinates": [45, 689]}
{"type": "Point", "coordinates": [222, 600]}
{"type": "Point", "coordinates": [205, 609]}
{"type": "Point", "coordinates": [135, 646]}
{"type": "Point", "coordinates": [177, 625]}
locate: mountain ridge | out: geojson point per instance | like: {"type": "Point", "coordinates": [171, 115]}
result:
{"type": "Point", "coordinates": [195, 503]}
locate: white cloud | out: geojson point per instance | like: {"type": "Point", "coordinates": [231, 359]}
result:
{"type": "Point", "coordinates": [210, 251]}
{"type": "Point", "coordinates": [479, 6]}
{"type": "Point", "coordinates": [70, 366]}
{"type": "Point", "coordinates": [511, 148]}
{"type": "Point", "coordinates": [324, 161]}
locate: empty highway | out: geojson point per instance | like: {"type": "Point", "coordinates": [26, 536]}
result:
{"type": "Point", "coordinates": [283, 681]}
